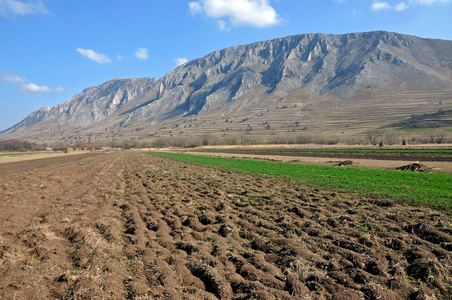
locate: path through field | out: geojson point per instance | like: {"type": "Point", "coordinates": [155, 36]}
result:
{"type": "Point", "coordinates": [129, 225]}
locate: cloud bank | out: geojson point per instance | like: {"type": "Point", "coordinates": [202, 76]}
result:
{"type": "Point", "coordinates": [97, 57]}
{"type": "Point", "coordinates": [19, 8]}
{"type": "Point", "coordinates": [256, 13]}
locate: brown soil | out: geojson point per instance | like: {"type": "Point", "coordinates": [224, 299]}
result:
{"type": "Point", "coordinates": [434, 166]}
{"type": "Point", "coordinates": [26, 165]}
{"type": "Point", "coordinates": [431, 156]}
{"type": "Point", "coordinates": [131, 225]}
{"type": "Point", "coordinates": [24, 156]}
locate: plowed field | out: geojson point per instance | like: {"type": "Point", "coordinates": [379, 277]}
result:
{"type": "Point", "coordinates": [130, 225]}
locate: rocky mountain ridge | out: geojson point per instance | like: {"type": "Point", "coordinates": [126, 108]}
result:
{"type": "Point", "coordinates": [340, 66]}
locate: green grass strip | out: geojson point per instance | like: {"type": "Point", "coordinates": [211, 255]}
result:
{"type": "Point", "coordinates": [433, 189]}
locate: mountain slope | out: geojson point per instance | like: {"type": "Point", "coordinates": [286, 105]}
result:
{"type": "Point", "coordinates": [307, 71]}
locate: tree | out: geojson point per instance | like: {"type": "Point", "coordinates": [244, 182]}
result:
{"type": "Point", "coordinates": [372, 136]}
{"type": "Point", "coordinates": [79, 143]}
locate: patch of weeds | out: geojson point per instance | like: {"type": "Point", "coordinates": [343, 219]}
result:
{"type": "Point", "coordinates": [107, 236]}
{"type": "Point", "coordinates": [76, 270]}
{"type": "Point", "coordinates": [359, 227]}
{"type": "Point", "coordinates": [210, 238]}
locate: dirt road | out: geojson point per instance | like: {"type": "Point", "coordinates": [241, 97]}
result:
{"type": "Point", "coordinates": [130, 225]}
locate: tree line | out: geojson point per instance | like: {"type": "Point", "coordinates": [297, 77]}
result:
{"type": "Point", "coordinates": [15, 145]}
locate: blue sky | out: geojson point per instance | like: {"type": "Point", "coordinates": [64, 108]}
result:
{"type": "Point", "coordinates": [51, 50]}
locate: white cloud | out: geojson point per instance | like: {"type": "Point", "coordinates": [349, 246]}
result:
{"type": "Point", "coordinates": [430, 2]}
{"type": "Point", "coordinates": [258, 13]}
{"type": "Point", "coordinates": [97, 57]}
{"type": "Point", "coordinates": [19, 8]}
{"type": "Point", "coordinates": [340, 1]}
{"type": "Point", "coordinates": [221, 25]}
{"type": "Point", "coordinates": [377, 6]}
{"type": "Point", "coordinates": [195, 7]}
{"type": "Point", "coordinates": [7, 76]}
{"type": "Point", "coordinates": [401, 6]}
{"type": "Point", "coordinates": [180, 61]}
{"type": "Point", "coordinates": [33, 88]}
{"type": "Point", "coordinates": [121, 57]}
{"type": "Point", "coordinates": [142, 53]}
{"type": "Point", "coordinates": [356, 12]}
{"type": "Point", "coordinates": [28, 87]}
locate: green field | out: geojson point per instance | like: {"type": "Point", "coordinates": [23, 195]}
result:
{"type": "Point", "coordinates": [433, 189]}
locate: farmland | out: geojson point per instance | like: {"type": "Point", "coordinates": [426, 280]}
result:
{"type": "Point", "coordinates": [136, 226]}
{"type": "Point", "coordinates": [427, 188]}
{"type": "Point", "coordinates": [6, 158]}
{"type": "Point", "coordinates": [444, 155]}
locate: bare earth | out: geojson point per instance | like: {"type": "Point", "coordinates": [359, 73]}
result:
{"type": "Point", "coordinates": [128, 225]}
{"type": "Point", "coordinates": [435, 166]}
{"type": "Point", "coordinates": [24, 156]}
{"type": "Point", "coordinates": [27, 164]}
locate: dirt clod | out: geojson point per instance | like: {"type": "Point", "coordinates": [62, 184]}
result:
{"type": "Point", "coordinates": [345, 163]}
{"type": "Point", "coordinates": [414, 167]}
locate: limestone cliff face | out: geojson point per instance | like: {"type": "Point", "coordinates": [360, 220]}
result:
{"type": "Point", "coordinates": [340, 65]}
{"type": "Point", "coordinates": [319, 63]}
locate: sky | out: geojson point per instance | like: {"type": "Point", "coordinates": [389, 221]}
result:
{"type": "Point", "coordinates": [50, 50]}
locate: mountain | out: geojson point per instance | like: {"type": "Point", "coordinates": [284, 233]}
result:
{"type": "Point", "coordinates": [308, 82]}
{"type": "Point", "coordinates": [92, 105]}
